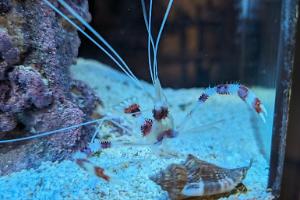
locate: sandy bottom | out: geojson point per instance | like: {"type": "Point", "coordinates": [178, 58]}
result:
{"type": "Point", "coordinates": [224, 132]}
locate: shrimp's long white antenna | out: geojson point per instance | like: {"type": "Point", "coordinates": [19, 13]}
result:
{"type": "Point", "coordinates": [90, 28]}
{"type": "Point", "coordinates": [159, 36]}
{"type": "Point", "coordinates": [126, 70]}
{"type": "Point", "coordinates": [153, 66]}
{"type": "Point", "coordinates": [47, 133]}
{"type": "Point", "coordinates": [150, 39]}
{"type": "Point", "coordinates": [50, 132]}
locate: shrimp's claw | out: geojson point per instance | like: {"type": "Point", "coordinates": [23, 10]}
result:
{"type": "Point", "coordinates": [241, 91]}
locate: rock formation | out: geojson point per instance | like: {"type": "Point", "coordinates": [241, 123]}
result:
{"type": "Point", "coordinates": [37, 47]}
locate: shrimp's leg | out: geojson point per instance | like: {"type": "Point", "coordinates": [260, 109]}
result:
{"type": "Point", "coordinates": [108, 119]}
{"type": "Point", "coordinates": [92, 169]}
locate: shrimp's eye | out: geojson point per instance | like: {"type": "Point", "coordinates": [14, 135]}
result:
{"type": "Point", "coordinates": [146, 127]}
{"type": "Point", "coordinates": [160, 113]}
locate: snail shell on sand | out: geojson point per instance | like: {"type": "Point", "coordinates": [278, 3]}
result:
{"type": "Point", "coordinates": [197, 178]}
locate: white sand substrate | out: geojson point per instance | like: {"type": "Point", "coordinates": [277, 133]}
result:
{"type": "Point", "coordinates": [227, 133]}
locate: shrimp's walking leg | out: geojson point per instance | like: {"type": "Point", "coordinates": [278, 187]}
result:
{"type": "Point", "coordinates": [92, 169]}
{"type": "Point", "coordinates": [231, 89]}
{"type": "Point", "coordinates": [107, 119]}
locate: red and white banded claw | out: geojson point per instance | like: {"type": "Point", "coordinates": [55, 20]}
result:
{"type": "Point", "coordinates": [240, 90]}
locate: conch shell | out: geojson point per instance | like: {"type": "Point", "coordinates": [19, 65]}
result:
{"type": "Point", "coordinates": [197, 178]}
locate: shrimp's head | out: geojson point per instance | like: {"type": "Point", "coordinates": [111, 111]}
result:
{"type": "Point", "coordinates": [161, 107]}
{"type": "Point", "coordinates": [163, 123]}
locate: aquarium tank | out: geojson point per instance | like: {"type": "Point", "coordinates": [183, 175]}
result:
{"type": "Point", "coordinates": [155, 100]}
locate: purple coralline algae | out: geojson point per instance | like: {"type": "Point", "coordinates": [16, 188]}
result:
{"type": "Point", "coordinates": [36, 91]}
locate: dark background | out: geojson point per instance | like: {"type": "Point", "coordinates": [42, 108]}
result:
{"type": "Point", "coordinates": [205, 42]}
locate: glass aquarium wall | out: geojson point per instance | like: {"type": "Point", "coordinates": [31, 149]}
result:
{"type": "Point", "coordinates": [119, 99]}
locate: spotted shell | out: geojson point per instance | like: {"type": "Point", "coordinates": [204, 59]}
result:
{"type": "Point", "coordinates": [197, 178]}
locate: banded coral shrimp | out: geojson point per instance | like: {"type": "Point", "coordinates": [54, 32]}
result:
{"type": "Point", "coordinates": [161, 126]}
